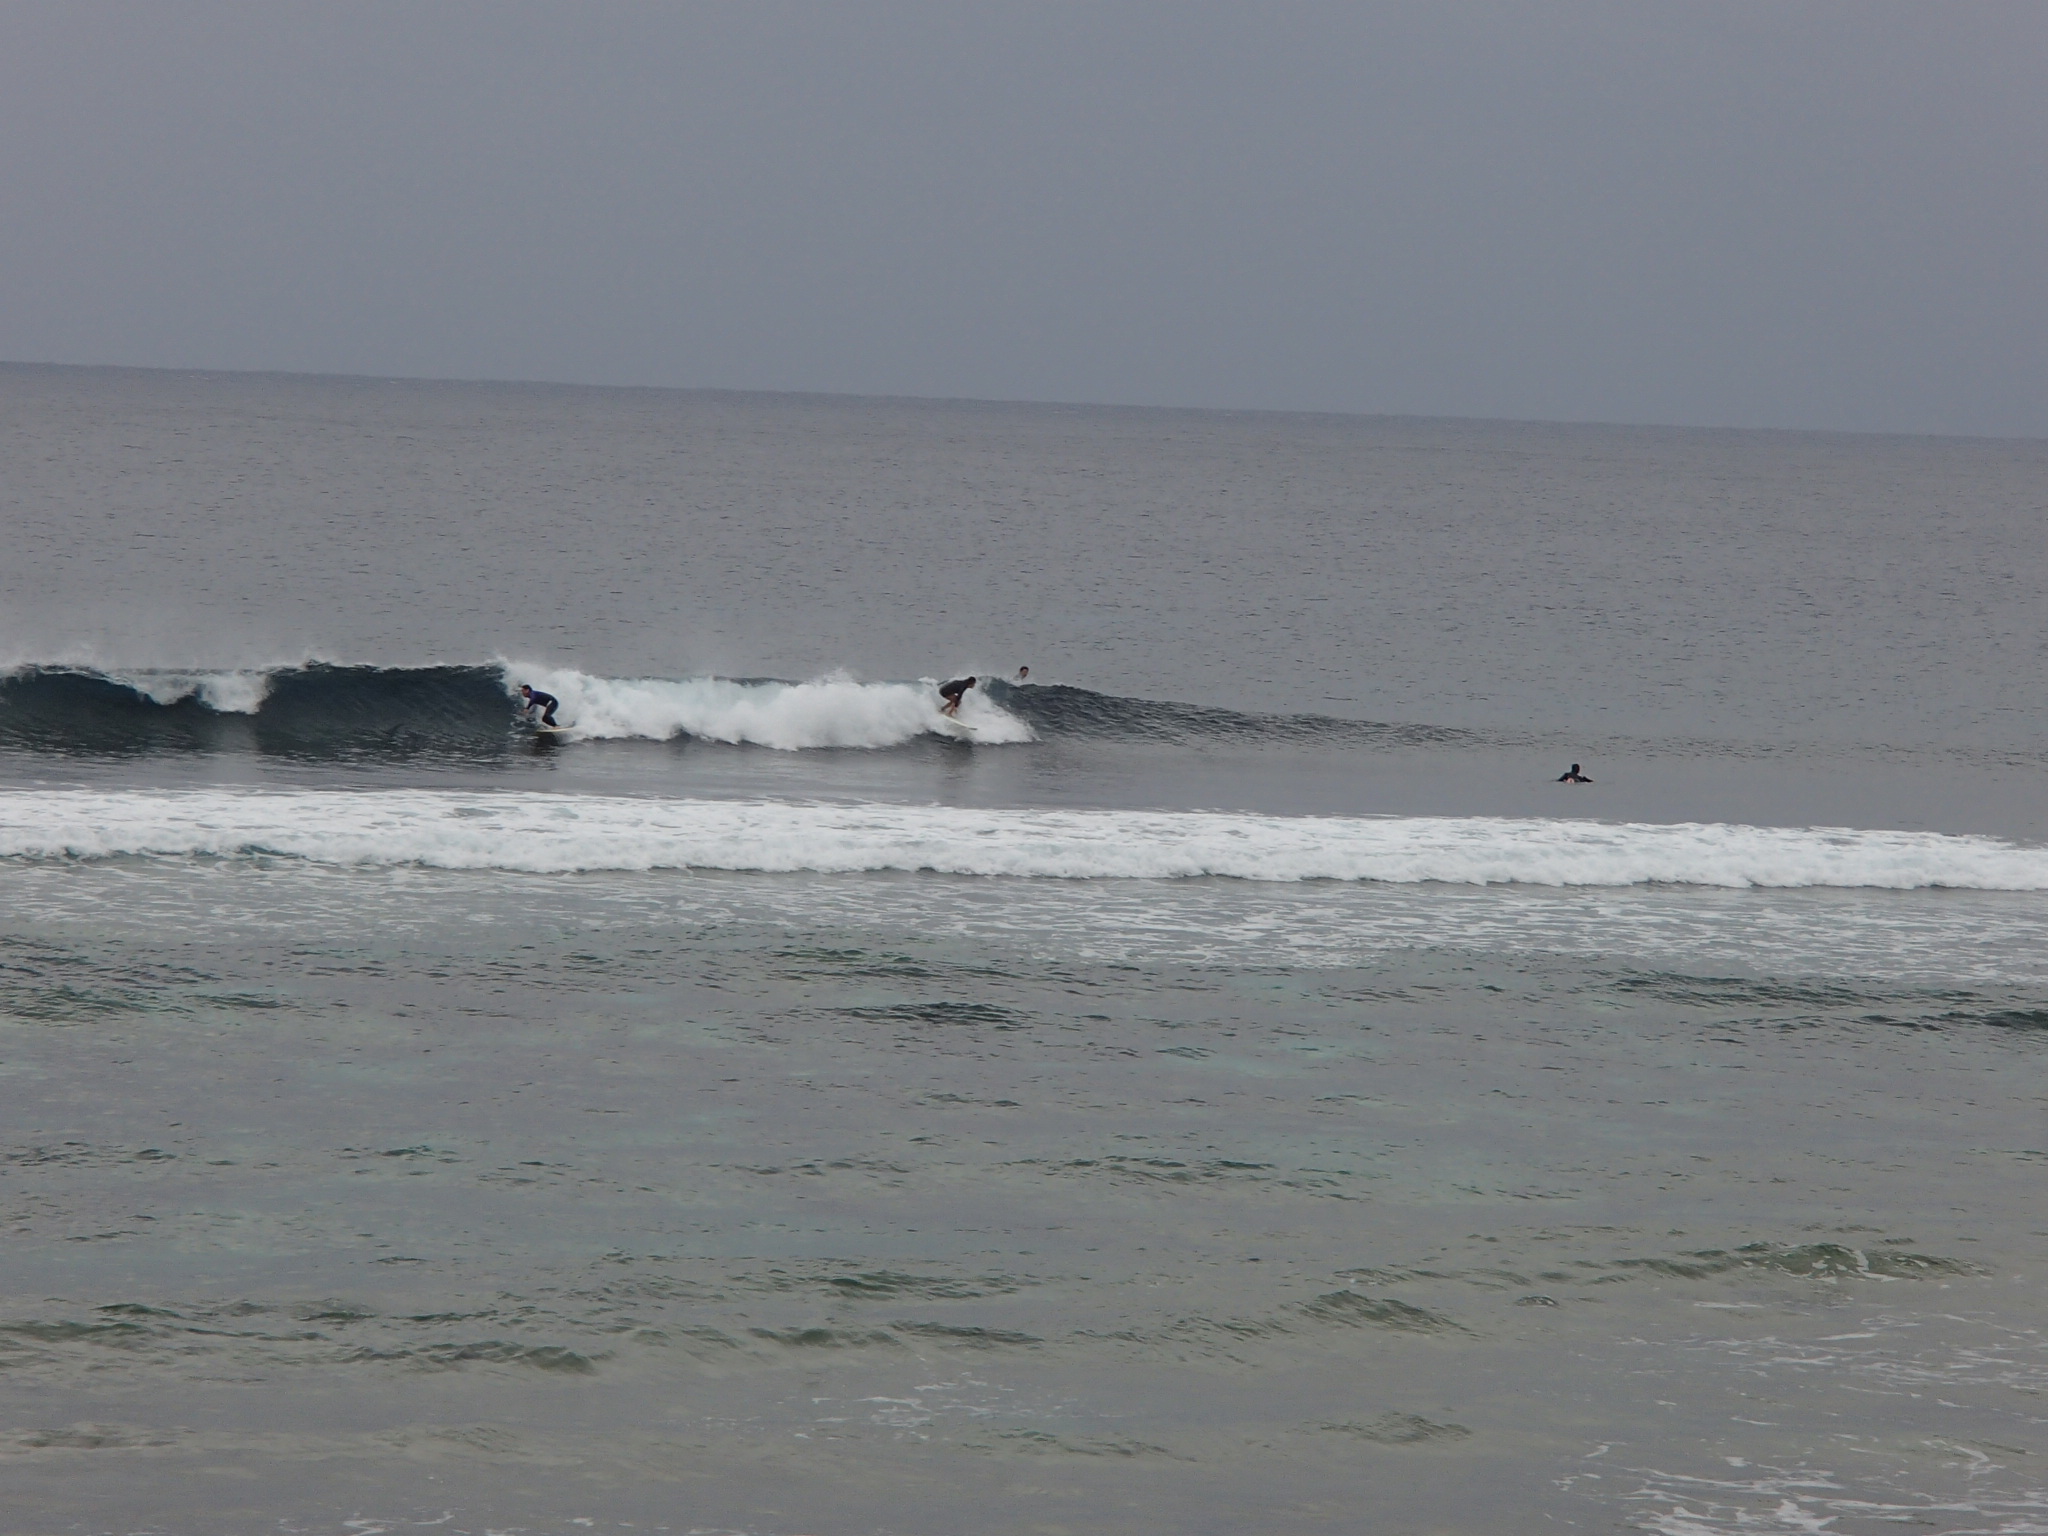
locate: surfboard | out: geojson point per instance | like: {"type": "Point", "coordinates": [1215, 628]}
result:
{"type": "Point", "coordinates": [959, 729]}
{"type": "Point", "coordinates": [550, 730]}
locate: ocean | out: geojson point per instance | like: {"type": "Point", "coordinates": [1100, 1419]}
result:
{"type": "Point", "coordinates": [1225, 1084]}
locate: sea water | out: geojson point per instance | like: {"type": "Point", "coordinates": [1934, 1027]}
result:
{"type": "Point", "coordinates": [1236, 1089]}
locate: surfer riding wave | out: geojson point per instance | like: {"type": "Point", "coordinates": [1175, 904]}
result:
{"type": "Point", "coordinates": [546, 703]}
{"type": "Point", "coordinates": [953, 692]}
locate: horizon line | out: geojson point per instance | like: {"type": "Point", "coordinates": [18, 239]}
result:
{"type": "Point", "coordinates": [1000, 400]}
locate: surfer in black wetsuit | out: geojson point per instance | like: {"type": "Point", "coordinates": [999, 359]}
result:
{"type": "Point", "coordinates": [952, 692]}
{"type": "Point", "coordinates": [544, 702]}
{"type": "Point", "coordinates": [1573, 777]}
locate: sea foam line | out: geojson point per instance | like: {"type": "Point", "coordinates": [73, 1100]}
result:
{"type": "Point", "coordinates": [554, 833]}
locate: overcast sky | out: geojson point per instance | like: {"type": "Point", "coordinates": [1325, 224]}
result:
{"type": "Point", "coordinates": [1775, 214]}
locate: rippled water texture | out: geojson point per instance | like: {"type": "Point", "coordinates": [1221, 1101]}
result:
{"type": "Point", "coordinates": [1716, 586]}
{"type": "Point", "coordinates": [679, 1209]}
{"type": "Point", "coordinates": [1225, 1084]}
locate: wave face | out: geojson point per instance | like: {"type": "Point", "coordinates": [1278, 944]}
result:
{"type": "Point", "coordinates": [545, 833]}
{"type": "Point", "coordinates": [325, 711]}
{"type": "Point", "coordinates": [1057, 710]}
{"type": "Point", "coordinates": [311, 710]}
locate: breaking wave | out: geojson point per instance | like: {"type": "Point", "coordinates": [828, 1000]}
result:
{"type": "Point", "coordinates": [554, 833]}
{"type": "Point", "coordinates": [830, 712]}
{"type": "Point", "coordinates": [322, 710]}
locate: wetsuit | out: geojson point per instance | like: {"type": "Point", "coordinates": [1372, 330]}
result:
{"type": "Point", "coordinates": [952, 691]}
{"type": "Point", "coordinates": [545, 703]}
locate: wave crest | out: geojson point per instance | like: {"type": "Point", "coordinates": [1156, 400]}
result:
{"type": "Point", "coordinates": [225, 693]}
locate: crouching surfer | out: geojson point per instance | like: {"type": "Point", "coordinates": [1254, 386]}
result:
{"type": "Point", "coordinates": [536, 700]}
{"type": "Point", "coordinates": [953, 692]}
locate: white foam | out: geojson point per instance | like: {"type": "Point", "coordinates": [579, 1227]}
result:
{"type": "Point", "coordinates": [230, 693]}
{"type": "Point", "coordinates": [833, 711]}
{"type": "Point", "coordinates": [547, 833]}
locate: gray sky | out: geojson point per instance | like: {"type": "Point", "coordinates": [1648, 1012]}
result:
{"type": "Point", "coordinates": [1776, 214]}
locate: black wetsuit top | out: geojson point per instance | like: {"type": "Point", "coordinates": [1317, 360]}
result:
{"type": "Point", "coordinates": [545, 703]}
{"type": "Point", "coordinates": [955, 688]}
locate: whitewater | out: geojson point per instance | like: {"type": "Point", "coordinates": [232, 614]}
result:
{"type": "Point", "coordinates": [553, 834]}
{"type": "Point", "coordinates": [832, 711]}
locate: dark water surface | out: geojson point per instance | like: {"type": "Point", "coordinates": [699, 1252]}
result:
{"type": "Point", "coordinates": [1507, 576]}
{"type": "Point", "coordinates": [1231, 1089]}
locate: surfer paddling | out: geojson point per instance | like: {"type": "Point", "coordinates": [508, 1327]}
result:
{"type": "Point", "coordinates": [953, 692]}
{"type": "Point", "coordinates": [544, 702]}
{"type": "Point", "coordinates": [1573, 776]}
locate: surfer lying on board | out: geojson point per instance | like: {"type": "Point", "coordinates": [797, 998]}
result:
{"type": "Point", "coordinates": [1573, 777]}
{"type": "Point", "coordinates": [952, 693]}
{"type": "Point", "coordinates": [544, 702]}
